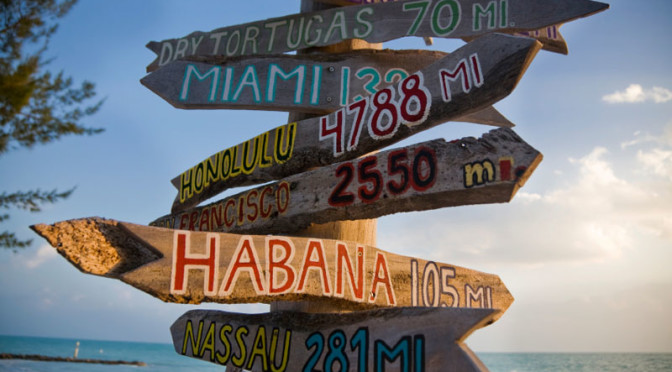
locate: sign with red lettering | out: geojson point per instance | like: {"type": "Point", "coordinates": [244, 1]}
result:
{"type": "Point", "coordinates": [399, 339]}
{"type": "Point", "coordinates": [470, 79]}
{"type": "Point", "coordinates": [550, 37]}
{"type": "Point", "coordinates": [424, 18]}
{"type": "Point", "coordinates": [312, 83]}
{"type": "Point", "coordinates": [429, 175]}
{"type": "Point", "coordinates": [193, 267]}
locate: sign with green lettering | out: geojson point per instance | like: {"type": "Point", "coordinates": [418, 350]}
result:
{"type": "Point", "coordinates": [470, 79]}
{"type": "Point", "coordinates": [549, 36]}
{"type": "Point", "coordinates": [374, 23]}
{"type": "Point", "coordinates": [401, 339]}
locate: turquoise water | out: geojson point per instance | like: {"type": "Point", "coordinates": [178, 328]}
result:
{"type": "Point", "coordinates": [583, 362]}
{"type": "Point", "coordinates": [159, 357]}
{"type": "Point", "coordinates": [162, 357]}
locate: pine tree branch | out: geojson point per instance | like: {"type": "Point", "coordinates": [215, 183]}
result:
{"type": "Point", "coordinates": [9, 240]}
{"type": "Point", "coordinates": [31, 200]}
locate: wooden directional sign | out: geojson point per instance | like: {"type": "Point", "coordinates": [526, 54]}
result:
{"type": "Point", "coordinates": [549, 36]}
{"type": "Point", "coordinates": [314, 83]}
{"type": "Point", "coordinates": [401, 339]}
{"type": "Point", "coordinates": [374, 23]}
{"type": "Point", "coordinates": [194, 267]}
{"type": "Point", "coordinates": [472, 78]}
{"type": "Point", "coordinates": [424, 176]}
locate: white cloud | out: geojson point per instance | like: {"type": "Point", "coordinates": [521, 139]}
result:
{"type": "Point", "coordinates": [43, 254]}
{"type": "Point", "coordinates": [599, 215]}
{"type": "Point", "coordinates": [664, 139]}
{"type": "Point", "coordinates": [657, 161]}
{"type": "Point", "coordinates": [526, 197]}
{"type": "Point", "coordinates": [635, 93]}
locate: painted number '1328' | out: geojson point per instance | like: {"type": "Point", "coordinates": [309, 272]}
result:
{"type": "Point", "coordinates": [405, 170]}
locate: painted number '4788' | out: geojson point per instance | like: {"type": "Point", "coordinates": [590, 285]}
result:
{"type": "Point", "coordinates": [382, 113]}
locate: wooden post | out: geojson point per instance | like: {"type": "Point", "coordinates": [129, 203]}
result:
{"type": "Point", "coordinates": [361, 231]}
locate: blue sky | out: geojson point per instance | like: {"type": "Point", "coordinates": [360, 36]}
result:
{"type": "Point", "coordinates": [584, 247]}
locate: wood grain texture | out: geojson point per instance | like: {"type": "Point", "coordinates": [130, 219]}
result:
{"type": "Point", "coordinates": [195, 267]}
{"type": "Point", "coordinates": [373, 23]}
{"type": "Point", "coordinates": [402, 339]}
{"type": "Point", "coordinates": [429, 175]}
{"type": "Point", "coordinates": [549, 36]}
{"type": "Point", "coordinates": [483, 72]}
{"type": "Point", "coordinates": [361, 231]}
{"type": "Point", "coordinates": [309, 83]}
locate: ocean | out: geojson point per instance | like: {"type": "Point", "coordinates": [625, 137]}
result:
{"type": "Point", "coordinates": [162, 357]}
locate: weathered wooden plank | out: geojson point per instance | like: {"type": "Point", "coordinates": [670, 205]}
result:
{"type": "Point", "coordinates": [193, 267]}
{"type": "Point", "coordinates": [429, 175]}
{"type": "Point", "coordinates": [374, 23]}
{"type": "Point", "coordinates": [470, 79]}
{"type": "Point", "coordinates": [313, 83]}
{"type": "Point", "coordinates": [549, 36]}
{"type": "Point", "coordinates": [402, 339]}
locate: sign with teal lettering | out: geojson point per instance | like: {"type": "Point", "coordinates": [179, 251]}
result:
{"type": "Point", "coordinates": [399, 339]}
{"type": "Point", "coordinates": [374, 23]}
{"type": "Point", "coordinates": [468, 80]}
{"type": "Point", "coordinates": [313, 83]}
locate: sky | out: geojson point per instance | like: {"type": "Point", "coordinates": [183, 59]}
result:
{"type": "Point", "coordinates": [584, 247]}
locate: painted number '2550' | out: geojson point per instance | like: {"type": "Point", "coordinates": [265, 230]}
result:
{"type": "Point", "coordinates": [417, 171]}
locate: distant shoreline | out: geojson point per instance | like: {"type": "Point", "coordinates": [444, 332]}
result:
{"type": "Point", "coordinates": [44, 358]}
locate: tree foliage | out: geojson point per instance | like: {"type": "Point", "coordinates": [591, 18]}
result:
{"type": "Point", "coordinates": [37, 106]}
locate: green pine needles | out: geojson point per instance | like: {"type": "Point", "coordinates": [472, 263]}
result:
{"type": "Point", "coordinates": [37, 106]}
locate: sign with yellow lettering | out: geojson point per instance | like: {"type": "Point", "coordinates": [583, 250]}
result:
{"type": "Point", "coordinates": [400, 339]}
{"type": "Point", "coordinates": [429, 175]}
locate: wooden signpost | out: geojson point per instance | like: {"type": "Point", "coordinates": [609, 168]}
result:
{"type": "Point", "coordinates": [313, 83]}
{"type": "Point", "coordinates": [401, 339]}
{"type": "Point", "coordinates": [409, 314]}
{"type": "Point", "coordinates": [374, 23]}
{"type": "Point", "coordinates": [473, 77]}
{"type": "Point", "coordinates": [429, 175]}
{"type": "Point", "coordinates": [194, 267]}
